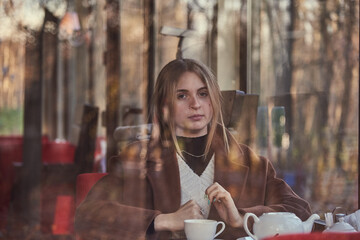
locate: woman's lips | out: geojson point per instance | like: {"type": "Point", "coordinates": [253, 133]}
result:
{"type": "Point", "coordinates": [196, 117]}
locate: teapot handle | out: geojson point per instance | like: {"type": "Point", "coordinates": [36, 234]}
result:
{"type": "Point", "coordinates": [246, 217]}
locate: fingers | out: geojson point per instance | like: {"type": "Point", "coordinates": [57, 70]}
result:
{"type": "Point", "coordinates": [216, 193]}
{"type": "Point", "coordinates": [175, 221]}
{"type": "Point", "coordinates": [191, 204]}
{"type": "Point", "coordinates": [191, 210]}
{"type": "Point", "coordinates": [224, 204]}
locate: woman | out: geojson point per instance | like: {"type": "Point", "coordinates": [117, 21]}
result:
{"type": "Point", "coordinates": [190, 168]}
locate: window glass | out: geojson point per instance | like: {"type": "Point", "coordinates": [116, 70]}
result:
{"type": "Point", "coordinates": [11, 85]}
{"type": "Point", "coordinates": [309, 89]}
{"type": "Point", "coordinates": [132, 62]}
{"type": "Point", "coordinates": [300, 57]}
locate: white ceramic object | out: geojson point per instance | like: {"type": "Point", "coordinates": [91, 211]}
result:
{"type": "Point", "coordinates": [340, 226]}
{"type": "Point", "coordinates": [277, 223]}
{"type": "Point", "coordinates": [202, 229]}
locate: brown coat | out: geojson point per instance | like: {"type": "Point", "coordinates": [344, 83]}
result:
{"type": "Point", "coordinates": [145, 183]}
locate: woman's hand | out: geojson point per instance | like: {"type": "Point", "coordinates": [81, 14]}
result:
{"type": "Point", "coordinates": [224, 205]}
{"type": "Point", "coordinates": [175, 221]}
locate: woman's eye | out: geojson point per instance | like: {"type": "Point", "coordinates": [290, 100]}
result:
{"type": "Point", "coordinates": [204, 94]}
{"type": "Point", "coordinates": [181, 96]}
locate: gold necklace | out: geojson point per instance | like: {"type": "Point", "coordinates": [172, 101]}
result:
{"type": "Point", "coordinates": [190, 154]}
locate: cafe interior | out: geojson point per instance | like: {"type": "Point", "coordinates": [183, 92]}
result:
{"type": "Point", "coordinates": [77, 79]}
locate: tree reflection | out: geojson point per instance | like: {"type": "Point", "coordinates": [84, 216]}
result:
{"type": "Point", "coordinates": [300, 56]}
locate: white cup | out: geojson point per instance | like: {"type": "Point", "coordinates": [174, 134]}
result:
{"type": "Point", "coordinates": [202, 229]}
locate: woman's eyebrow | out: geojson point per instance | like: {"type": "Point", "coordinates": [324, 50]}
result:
{"type": "Point", "coordinates": [181, 90]}
{"type": "Point", "coordinates": [202, 88]}
{"type": "Point", "coordinates": [185, 90]}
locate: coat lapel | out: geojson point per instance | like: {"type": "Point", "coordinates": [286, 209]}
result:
{"type": "Point", "coordinates": [163, 175]}
{"type": "Point", "coordinates": [231, 171]}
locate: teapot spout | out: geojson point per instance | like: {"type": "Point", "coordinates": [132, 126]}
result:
{"type": "Point", "coordinates": [308, 224]}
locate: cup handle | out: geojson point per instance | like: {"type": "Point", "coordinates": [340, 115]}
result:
{"type": "Point", "coordinates": [221, 230]}
{"type": "Point", "coordinates": [246, 217]}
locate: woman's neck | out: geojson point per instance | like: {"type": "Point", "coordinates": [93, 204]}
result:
{"type": "Point", "coordinates": [193, 152]}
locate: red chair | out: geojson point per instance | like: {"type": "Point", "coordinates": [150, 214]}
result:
{"type": "Point", "coordinates": [84, 183]}
{"type": "Point", "coordinates": [64, 215]}
{"type": "Point", "coordinates": [318, 236]}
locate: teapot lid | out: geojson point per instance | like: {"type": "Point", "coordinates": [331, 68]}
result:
{"type": "Point", "coordinates": [341, 226]}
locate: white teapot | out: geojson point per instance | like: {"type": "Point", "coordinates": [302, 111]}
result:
{"type": "Point", "coordinates": [278, 223]}
{"type": "Point", "coordinates": [340, 226]}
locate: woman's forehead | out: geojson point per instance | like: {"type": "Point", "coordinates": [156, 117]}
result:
{"type": "Point", "coordinates": [189, 80]}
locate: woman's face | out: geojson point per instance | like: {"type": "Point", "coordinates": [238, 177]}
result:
{"type": "Point", "coordinates": [192, 106]}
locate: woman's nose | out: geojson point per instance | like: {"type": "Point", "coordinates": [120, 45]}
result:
{"type": "Point", "coordinates": [194, 103]}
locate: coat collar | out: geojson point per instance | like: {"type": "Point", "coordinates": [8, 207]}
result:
{"type": "Point", "coordinates": [163, 172]}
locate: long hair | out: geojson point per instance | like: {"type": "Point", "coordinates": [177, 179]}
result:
{"type": "Point", "coordinates": [164, 97]}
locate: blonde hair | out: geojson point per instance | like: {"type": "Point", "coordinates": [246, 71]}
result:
{"type": "Point", "coordinates": [164, 97]}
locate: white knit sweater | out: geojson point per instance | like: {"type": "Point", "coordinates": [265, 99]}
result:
{"type": "Point", "coordinates": [193, 186]}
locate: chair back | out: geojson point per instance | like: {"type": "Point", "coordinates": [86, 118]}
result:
{"type": "Point", "coordinates": [240, 113]}
{"type": "Point", "coordinates": [84, 153]}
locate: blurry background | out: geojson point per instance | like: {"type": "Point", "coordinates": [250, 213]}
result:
{"type": "Point", "coordinates": [300, 56]}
